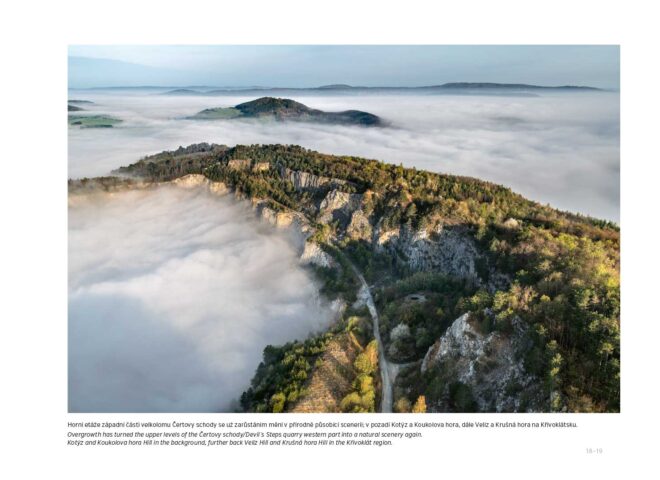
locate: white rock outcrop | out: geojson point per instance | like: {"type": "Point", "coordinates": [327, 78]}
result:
{"type": "Point", "coordinates": [460, 339]}
{"type": "Point", "coordinates": [338, 205]}
{"type": "Point", "coordinates": [195, 180]}
{"type": "Point", "coordinates": [488, 364]}
{"type": "Point", "coordinates": [359, 227]}
{"type": "Point", "coordinates": [446, 250]}
{"type": "Point", "coordinates": [313, 254]}
{"type": "Point", "coordinates": [309, 181]}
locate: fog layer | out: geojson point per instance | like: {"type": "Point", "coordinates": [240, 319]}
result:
{"type": "Point", "coordinates": [557, 148]}
{"type": "Point", "coordinates": [173, 294]}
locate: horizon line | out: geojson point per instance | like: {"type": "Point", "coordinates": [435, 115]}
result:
{"type": "Point", "coordinates": [340, 86]}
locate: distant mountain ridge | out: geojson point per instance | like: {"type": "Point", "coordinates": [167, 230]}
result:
{"type": "Point", "coordinates": [512, 85]}
{"type": "Point", "coordinates": [451, 87]}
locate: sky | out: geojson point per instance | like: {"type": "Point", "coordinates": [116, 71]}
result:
{"type": "Point", "coordinates": [310, 66]}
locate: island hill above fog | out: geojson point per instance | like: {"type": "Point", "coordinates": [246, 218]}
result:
{"type": "Point", "coordinates": [284, 109]}
{"type": "Point", "coordinates": [487, 301]}
{"type": "Point", "coordinates": [84, 121]}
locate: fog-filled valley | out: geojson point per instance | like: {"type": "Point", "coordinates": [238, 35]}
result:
{"type": "Point", "coordinates": [173, 294]}
{"type": "Point", "coordinates": [560, 148]}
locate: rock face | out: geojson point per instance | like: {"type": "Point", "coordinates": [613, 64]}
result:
{"type": "Point", "coordinates": [313, 254]}
{"type": "Point", "coordinates": [282, 219]}
{"type": "Point", "coordinates": [261, 167]}
{"type": "Point", "coordinates": [239, 164]}
{"type": "Point", "coordinates": [486, 364]}
{"type": "Point", "coordinates": [359, 228]}
{"type": "Point", "coordinates": [196, 180]}
{"type": "Point", "coordinates": [308, 181]}
{"type": "Point", "coordinates": [338, 206]}
{"type": "Point", "coordinates": [446, 250]}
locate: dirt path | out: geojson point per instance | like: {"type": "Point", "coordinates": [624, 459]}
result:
{"type": "Point", "coordinates": [388, 371]}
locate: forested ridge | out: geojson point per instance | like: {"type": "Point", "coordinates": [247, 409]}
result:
{"type": "Point", "coordinates": [562, 268]}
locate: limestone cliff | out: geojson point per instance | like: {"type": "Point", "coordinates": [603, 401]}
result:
{"type": "Point", "coordinates": [359, 227]}
{"type": "Point", "coordinates": [313, 254]}
{"type": "Point", "coordinates": [446, 249]}
{"type": "Point", "coordinates": [196, 180]}
{"type": "Point", "coordinates": [487, 367]}
{"type": "Point", "coordinates": [309, 181]}
{"type": "Point", "coordinates": [338, 206]}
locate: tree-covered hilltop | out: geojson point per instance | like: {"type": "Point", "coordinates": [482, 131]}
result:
{"type": "Point", "coordinates": [465, 199]}
{"type": "Point", "coordinates": [169, 165]}
{"type": "Point", "coordinates": [286, 109]}
{"type": "Point", "coordinates": [539, 285]}
{"type": "Point", "coordinates": [92, 121]}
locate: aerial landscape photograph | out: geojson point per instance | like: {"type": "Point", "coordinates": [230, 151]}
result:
{"type": "Point", "coordinates": [343, 229]}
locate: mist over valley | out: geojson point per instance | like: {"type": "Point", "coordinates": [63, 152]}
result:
{"type": "Point", "coordinates": [173, 295]}
{"type": "Point", "coordinates": [182, 300]}
{"type": "Point", "coordinates": [557, 148]}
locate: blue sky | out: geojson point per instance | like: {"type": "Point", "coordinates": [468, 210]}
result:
{"type": "Point", "coordinates": [309, 66]}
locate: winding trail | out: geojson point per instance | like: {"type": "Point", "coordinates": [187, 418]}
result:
{"type": "Point", "coordinates": [388, 370]}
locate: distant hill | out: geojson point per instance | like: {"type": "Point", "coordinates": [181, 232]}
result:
{"type": "Point", "coordinates": [92, 121]}
{"type": "Point", "coordinates": [184, 91]}
{"type": "Point", "coordinates": [477, 88]}
{"type": "Point", "coordinates": [514, 86]}
{"type": "Point", "coordinates": [73, 108]}
{"type": "Point", "coordinates": [80, 101]}
{"type": "Point", "coordinates": [336, 86]}
{"type": "Point", "coordinates": [283, 109]}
